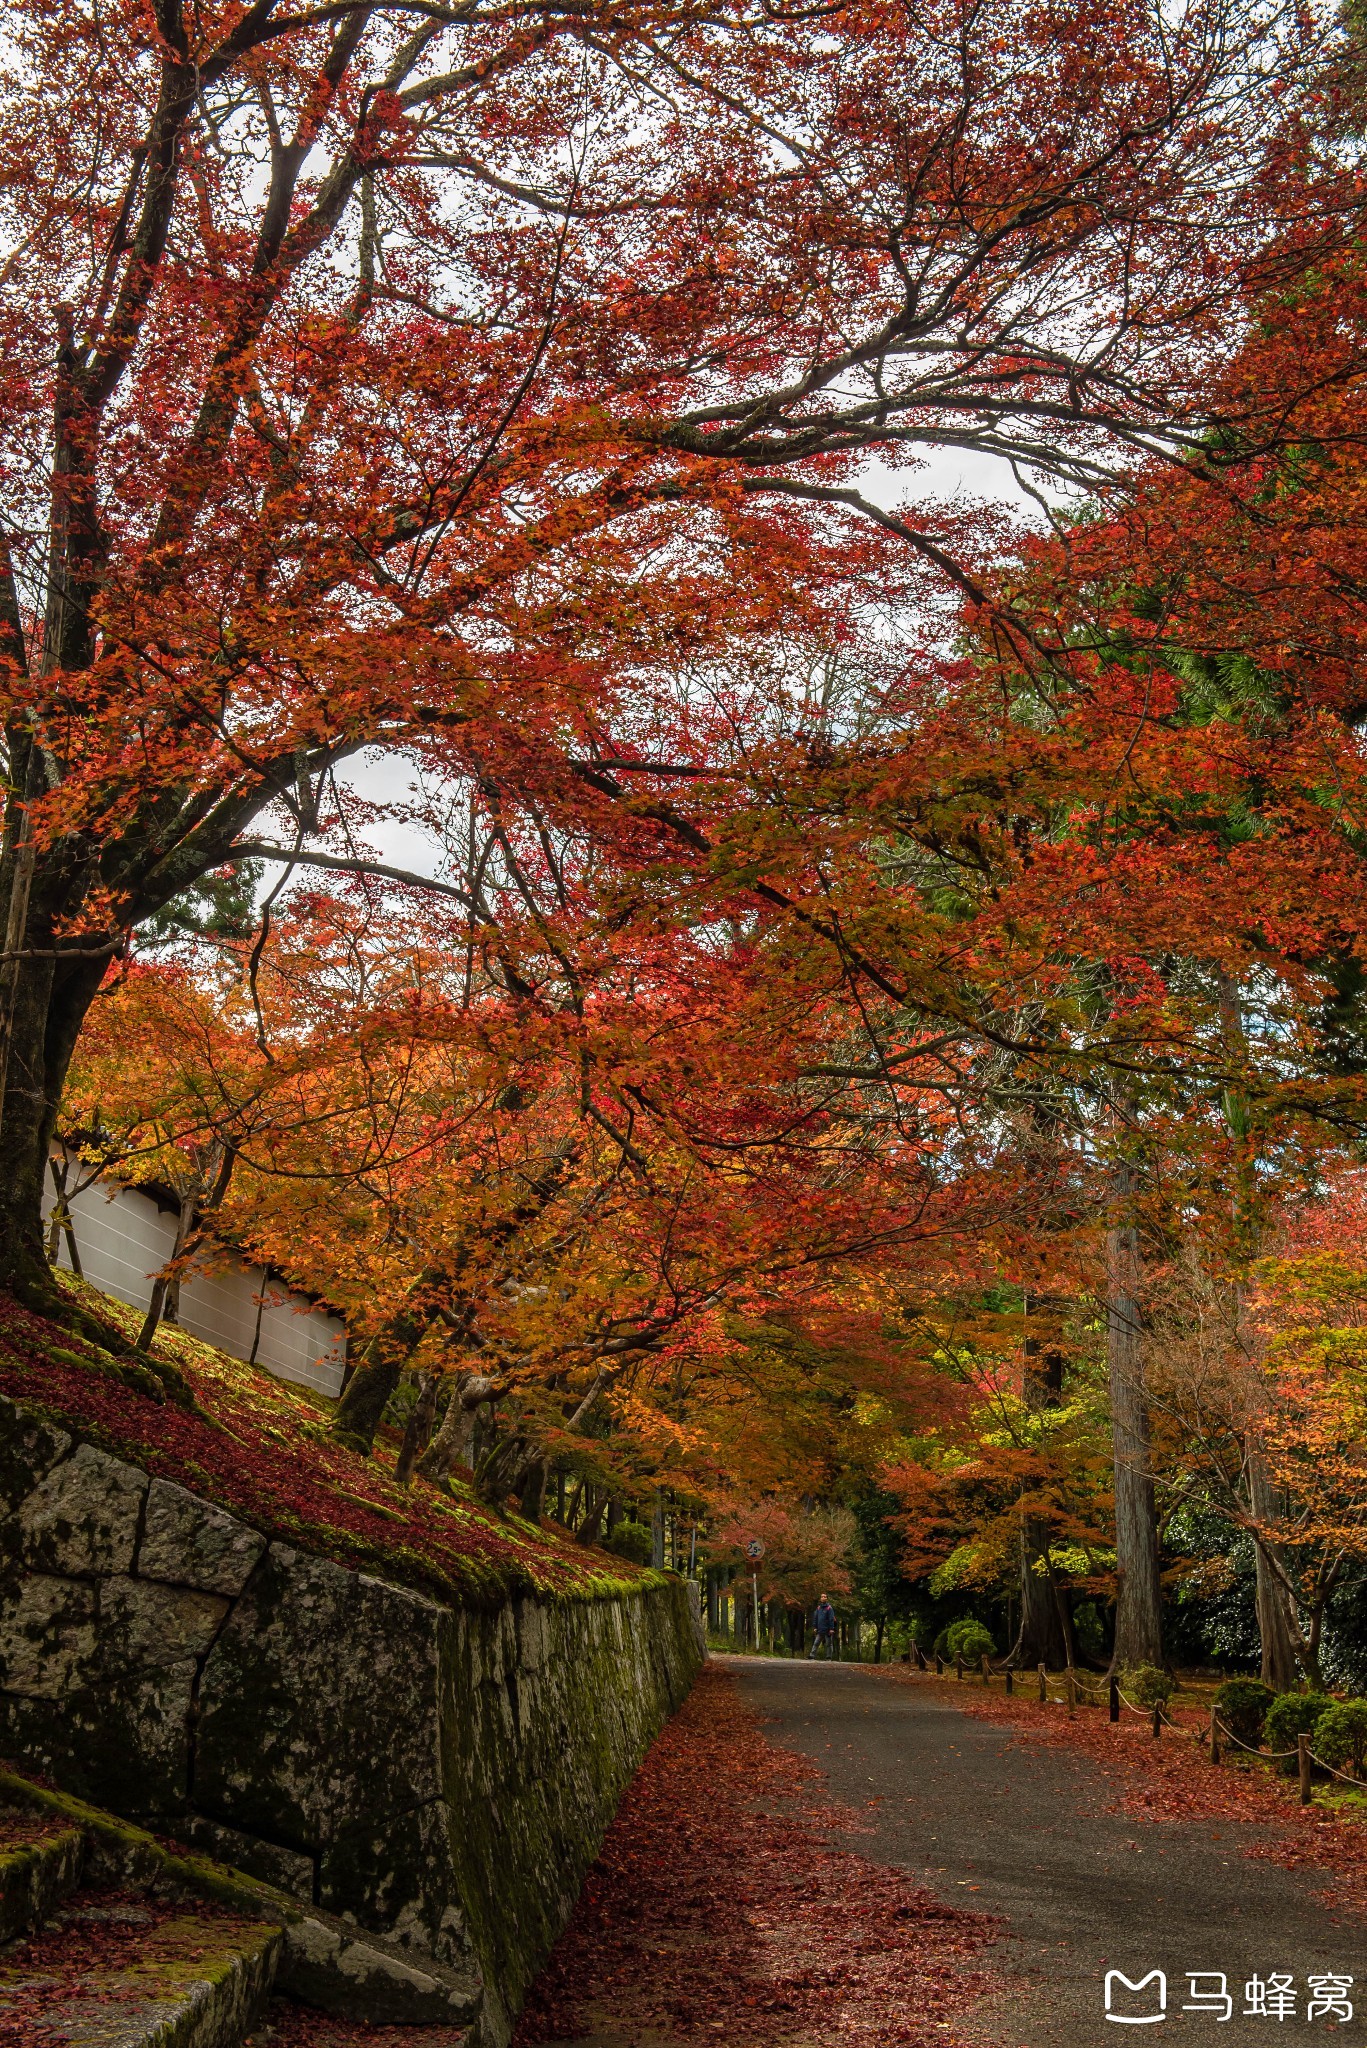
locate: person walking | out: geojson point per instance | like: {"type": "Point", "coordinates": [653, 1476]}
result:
{"type": "Point", "coordinates": [823, 1627]}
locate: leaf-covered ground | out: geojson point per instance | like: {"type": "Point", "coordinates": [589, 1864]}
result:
{"type": "Point", "coordinates": [717, 1912]}
{"type": "Point", "coordinates": [1173, 1779]}
{"type": "Point", "coordinates": [259, 1447]}
{"type": "Point", "coordinates": [288, 2025]}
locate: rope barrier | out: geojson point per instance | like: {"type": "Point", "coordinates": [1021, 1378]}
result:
{"type": "Point", "coordinates": [1281, 1756]}
{"type": "Point", "coordinates": [1273, 1756]}
{"type": "Point", "coordinates": [1103, 1692]}
{"type": "Point", "coordinates": [1360, 1783]}
{"type": "Point", "coordinates": [1200, 1734]}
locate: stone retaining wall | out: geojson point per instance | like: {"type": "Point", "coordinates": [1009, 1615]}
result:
{"type": "Point", "coordinates": [436, 1777]}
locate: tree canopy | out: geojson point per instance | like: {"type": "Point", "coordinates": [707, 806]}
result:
{"type": "Point", "coordinates": [876, 960]}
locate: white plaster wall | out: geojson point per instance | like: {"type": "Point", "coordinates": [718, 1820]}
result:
{"type": "Point", "coordinates": [124, 1239]}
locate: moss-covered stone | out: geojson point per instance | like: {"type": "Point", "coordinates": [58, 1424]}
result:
{"type": "Point", "coordinates": [49, 1634]}
{"type": "Point", "coordinates": [29, 1448]}
{"type": "Point", "coordinates": [189, 1542]}
{"type": "Point", "coordinates": [549, 1710]}
{"type": "Point", "coordinates": [186, 1981]}
{"type": "Point", "coordinates": [285, 1869]}
{"type": "Point", "coordinates": [35, 1876]}
{"type": "Point", "coordinates": [143, 1625]}
{"type": "Point", "coordinates": [83, 1516]}
{"type": "Point", "coordinates": [125, 1743]}
{"type": "Point", "coordinates": [428, 1778]}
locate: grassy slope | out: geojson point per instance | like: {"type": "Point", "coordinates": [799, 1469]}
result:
{"type": "Point", "coordinates": [260, 1448]}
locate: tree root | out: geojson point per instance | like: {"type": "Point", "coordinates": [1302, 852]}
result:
{"type": "Point", "coordinates": [158, 1378]}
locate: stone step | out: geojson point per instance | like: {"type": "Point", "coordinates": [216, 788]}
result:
{"type": "Point", "coordinates": [320, 1960]}
{"type": "Point", "coordinates": [42, 1857]}
{"type": "Point", "coordinates": [116, 1969]}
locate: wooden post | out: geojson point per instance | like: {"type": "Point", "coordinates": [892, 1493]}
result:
{"type": "Point", "coordinates": [1214, 1737]}
{"type": "Point", "coordinates": [1113, 1691]}
{"type": "Point", "coordinates": [987, 1670]}
{"type": "Point", "coordinates": [958, 1664]}
{"type": "Point", "coordinates": [1157, 1720]}
{"type": "Point", "coordinates": [1303, 1765]}
{"type": "Point", "coordinates": [1009, 1686]}
{"type": "Point", "coordinates": [1072, 1692]}
{"type": "Point", "coordinates": [939, 1665]}
{"type": "Point", "coordinates": [1043, 1683]}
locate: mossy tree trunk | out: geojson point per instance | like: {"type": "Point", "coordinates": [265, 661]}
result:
{"type": "Point", "coordinates": [367, 1393]}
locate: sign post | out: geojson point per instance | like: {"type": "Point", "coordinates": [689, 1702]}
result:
{"type": "Point", "coordinates": [754, 1550]}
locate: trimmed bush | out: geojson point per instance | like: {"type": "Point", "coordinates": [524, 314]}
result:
{"type": "Point", "coordinates": [967, 1639]}
{"type": "Point", "coordinates": [974, 1644]}
{"type": "Point", "coordinates": [1147, 1686]}
{"type": "Point", "coordinates": [1340, 1737]}
{"type": "Point", "coordinates": [1291, 1712]}
{"type": "Point", "coordinates": [1242, 1705]}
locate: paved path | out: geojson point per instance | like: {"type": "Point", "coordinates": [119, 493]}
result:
{"type": "Point", "coordinates": [1021, 1829]}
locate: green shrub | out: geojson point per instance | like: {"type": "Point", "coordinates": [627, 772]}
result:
{"type": "Point", "coordinates": [630, 1540]}
{"type": "Point", "coordinates": [1288, 1714]}
{"type": "Point", "coordinates": [1340, 1737]}
{"type": "Point", "coordinates": [1147, 1686]}
{"type": "Point", "coordinates": [1242, 1704]}
{"type": "Point", "coordinates": [966, 1638]}
{"type": "Point", "coordinates": [971, 1641]}
{"type": "Point", "coordinates": [900, 1638]}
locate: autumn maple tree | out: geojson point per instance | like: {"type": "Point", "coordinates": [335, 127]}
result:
{"type": "Point", "coordinates": [463, 380]}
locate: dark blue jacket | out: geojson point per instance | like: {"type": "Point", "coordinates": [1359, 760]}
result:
{"type": "Point", "coordinates": [823, 1621]}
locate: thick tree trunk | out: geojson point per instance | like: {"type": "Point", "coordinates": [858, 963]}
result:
{"type": "Point", "coordinates": [1278, 1631]}
{"type": "Point", "coordinates": [366, 1394]}
{"type": "Point", "coordinates": [1138, 1613]}
{"type": "Point", "coordinates": [1277, 1626]}
{"type": "Point", "coordinates": [532, 1490]}
{"type": "Point", "coordinates": [361, 1408]}
{"type": "Point", "coordinates": [47, 1018]}
{"type": "Point", "coordinates": [589, 1527]}
{"type": "Point", "coordinates": [49, 1007]}
{"type": "Point", "coordinates": [1041, 1639]}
